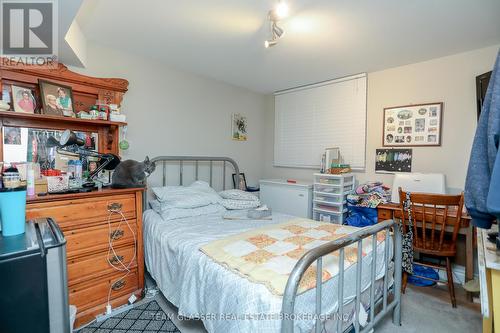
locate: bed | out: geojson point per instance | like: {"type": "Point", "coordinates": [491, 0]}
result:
{"type": "Point", "coordinates": [228, 302]}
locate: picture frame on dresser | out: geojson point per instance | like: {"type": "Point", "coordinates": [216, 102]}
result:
{"type": "Point", "coordinates": [57, 99]}
{"type": "Point", "coordinates": [23, 99]}
{"type": "Point", "coordinates": [415, 125]}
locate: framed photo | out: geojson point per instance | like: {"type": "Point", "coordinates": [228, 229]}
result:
{"type": "Point", "coordinates": [239, 127]}
{"type": "Point", "coordinates": [23, 99]}
{"type": "Point", "coordinates": [57, 99]}
{"type": "Point", "coordinates": [413, 125]}
{"type": "Point", "coordinates": [393, 160]}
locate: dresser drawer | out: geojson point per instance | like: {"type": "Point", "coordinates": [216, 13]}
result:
{"type": "Point", "coordinates": [83, 212]}
{"type": "Point", "coordinates": [94, 239]}
{"type": "Point", "coordinates": [95, 292]}
{"type": "Point", "coordinates": [84, 268]}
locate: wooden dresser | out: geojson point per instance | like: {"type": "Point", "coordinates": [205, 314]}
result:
{"type": "Point", "coordinates": [83, 218]}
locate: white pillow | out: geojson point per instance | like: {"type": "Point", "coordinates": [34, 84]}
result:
{"type": "Point", "coordinates": [167, 213]}
{"type": "Point", "coordinates": [238, 195]}
{"type": "Point", "coordinates": [240, 204]}
{"type": "Point", "coordinates": [198, 194]}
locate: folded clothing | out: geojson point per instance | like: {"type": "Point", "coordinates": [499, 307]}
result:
{"type": "Point", "coordinates": [370, 195]}
{"type": "Point", "coordinates": [240, 204]}
{"type": "Point", "coordinates": [198, 194]}
{"type": "Point", "coordinates": [371, 187]}
{"type": "Point", "coordinates": [238, 195]}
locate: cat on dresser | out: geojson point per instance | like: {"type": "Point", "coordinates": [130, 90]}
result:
{"type": "Point", "coordinates": [132, 173]}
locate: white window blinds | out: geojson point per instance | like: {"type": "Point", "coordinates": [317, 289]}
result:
{"type": "Point", "coordinates": [311, 118]}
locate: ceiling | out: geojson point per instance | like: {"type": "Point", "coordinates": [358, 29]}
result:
{"type": "Point", "coordinates": [325, 39]}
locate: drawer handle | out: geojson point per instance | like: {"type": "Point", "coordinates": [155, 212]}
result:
{"type": "Point", "coordinates": [115, 207]}
{"type": "Point", "coordinates": [115, 260]}
{"type": "Point", "coordinates": [116, 234]}
{"type": "Point", "coordinates": [118, 285]}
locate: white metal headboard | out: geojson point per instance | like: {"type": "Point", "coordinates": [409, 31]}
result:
{"type": "Point", "coordinates": [164, 160]}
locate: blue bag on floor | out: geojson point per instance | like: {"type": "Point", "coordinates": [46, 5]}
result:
{"type": "Point", "coordinates": [420, 270]}
{"type": "Point", "coordinates": [361, 216]}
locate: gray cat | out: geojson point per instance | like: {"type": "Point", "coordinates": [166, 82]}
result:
{"type": "Point", "coordinates": [131, 173]}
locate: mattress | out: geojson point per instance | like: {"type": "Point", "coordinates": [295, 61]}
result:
{"type": "Point", "coordinates": [223, 300]}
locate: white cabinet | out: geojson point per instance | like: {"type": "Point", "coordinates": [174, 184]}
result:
{"type": "Point", "coordinates": [287, 198]}
{"type": "Point", "coordinates": [330, 196]}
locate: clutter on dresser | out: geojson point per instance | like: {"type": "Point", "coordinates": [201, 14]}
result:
{"type": "Point", "coordinates": [102, 111]}
{"type": "Point", "coordinates": [330, 196]}
{"type": "Point", "coordinates": [71, 144]}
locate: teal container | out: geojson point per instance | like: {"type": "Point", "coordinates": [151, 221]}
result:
{"type": "Point", "coordinates": [13, 211]}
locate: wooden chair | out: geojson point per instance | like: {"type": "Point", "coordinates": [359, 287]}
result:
{"type": "Point", "coordinates": [435, 230]}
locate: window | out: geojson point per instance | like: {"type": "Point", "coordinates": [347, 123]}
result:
{"type": "Point", "coordinates": [311, 118]}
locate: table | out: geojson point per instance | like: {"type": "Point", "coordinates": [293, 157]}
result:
{"type": "Point", "coordinates": [392, 210]}
{"type": "Point", "coordinates": [489, 279]}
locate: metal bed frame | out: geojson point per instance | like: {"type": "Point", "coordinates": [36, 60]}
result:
{"type": "Point", "coordinates": [316, 255]}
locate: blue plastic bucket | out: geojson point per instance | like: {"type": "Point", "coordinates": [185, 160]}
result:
{"type": "Point", "coordinates": [13, 211]}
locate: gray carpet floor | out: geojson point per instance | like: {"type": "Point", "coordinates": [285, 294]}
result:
{"type": "Point", "coordinates": [423, 310]}
{"type": "Point", "coordinates": [429, 310]}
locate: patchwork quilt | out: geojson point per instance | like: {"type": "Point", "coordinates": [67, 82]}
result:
{"type": "Point", "coordinates": [267, 255]}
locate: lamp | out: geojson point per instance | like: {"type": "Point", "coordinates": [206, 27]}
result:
{"type": "Point", "coordinates": [69, 138]}
{"type": "Point", "coordinates": [281, 9]}
{"type": "Point", "coordinates": [268, 43]}
{"type": "Point", "coordinates": [71, 144]}
{"type": "Point", "coordinates": [274, 16]}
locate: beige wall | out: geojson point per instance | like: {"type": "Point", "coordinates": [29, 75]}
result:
{"type": "Point", "coordinates": [450, 80]}
{"type": "Point", "coordinates": [171, 112]}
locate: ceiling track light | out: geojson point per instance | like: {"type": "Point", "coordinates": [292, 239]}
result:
{"type": "Point", "coordinates": [275, 15]}
{"type": "Point", "coordinates": [270, 43]}
{"type": "Point", "coordinates": [277, 31]}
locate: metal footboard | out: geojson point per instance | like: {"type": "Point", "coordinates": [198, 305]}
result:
{"type": "Point", "coordinates": [316, 254]}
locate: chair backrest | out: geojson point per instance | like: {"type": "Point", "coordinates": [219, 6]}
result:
{"type": "Point", "coordinates": [431, 215]}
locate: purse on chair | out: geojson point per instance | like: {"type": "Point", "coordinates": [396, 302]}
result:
{"type": "Point", "coordinates": [407, 241]}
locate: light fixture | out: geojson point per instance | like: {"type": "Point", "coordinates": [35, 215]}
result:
{"type": "Point", "coordinates": [279, 12]}
{"type": "Point", "coordinates": [268, 43]}
{"type": "Point", "coordinates": [281, 9]}
{"type": "Point", "coordinates": [69, 138]}
{"type": "Point", "coordinates": [277, 31]}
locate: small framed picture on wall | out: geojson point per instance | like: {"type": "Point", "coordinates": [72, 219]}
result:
{"type": "Point", "coordinates": [413, 125]}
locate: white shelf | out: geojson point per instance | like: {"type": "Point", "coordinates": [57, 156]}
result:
{"type": "Point", "coordinates": [332, 186]}
{"type": "Point", "coordinates": [329, 203]}
{"type": "Point", "coordinates": [328, 194]}
{"type": "Point", "coordinates": [329, 211]}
